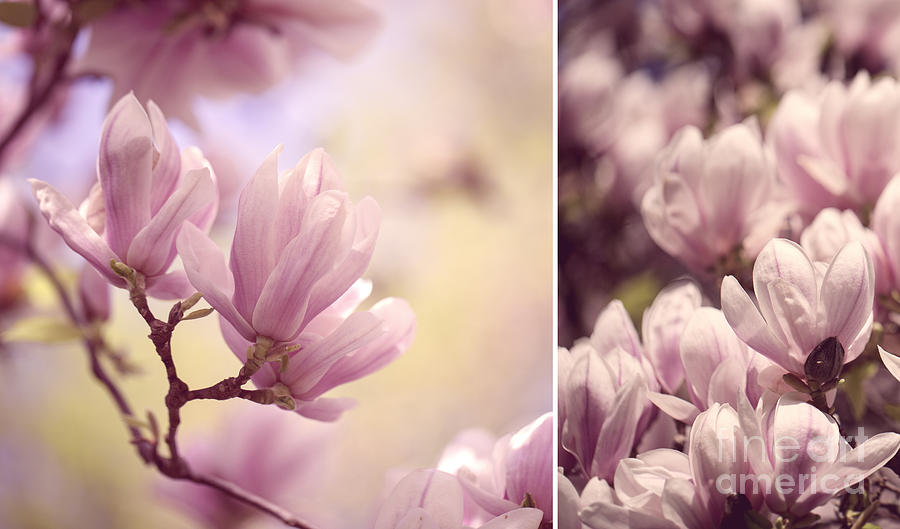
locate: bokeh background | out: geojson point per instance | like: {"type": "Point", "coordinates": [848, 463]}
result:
{"type": "Point", "coordinates": [446, 119]}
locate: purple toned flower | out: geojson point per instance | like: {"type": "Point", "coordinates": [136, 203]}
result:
{"type": "Point", "coordinates": [431, 499]}
{"type": "Point", "coordinates": [802, 305]}
{"type": "Point", "coordinates": [807, 456]}
{"type": "Point", "coordinates": [519, 466]}
{"type": "Point", "coordinates": [718, 368]}
{"type": "Point", "coordinates": [606, 408]}
{"type": "Point", "coordinates": [661, 329]}
{"type": "Point", "coordinates": [838, 149]}
{"type": "Point", "coordinates": [338, 346]}
{"type": "Point", "coordinates": [299, 246]}
{"type": "Point", "coordinates": [713, 197]}
{"type": "Point", "coordinates": [832, 229]}
{"type": "Point", "coordinates": [146, 192]}
{"type": "Point", "coordinates": [265, 452]}
{"type": "Point", "coordinates": [217, 49]}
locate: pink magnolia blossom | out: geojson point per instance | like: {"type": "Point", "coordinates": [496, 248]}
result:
{"type": "Point", "coordinates": [667, 489]}
{"type": "Point", "coordinates": [299, 246]}
{"type": "Point", "coordinates": [146, 191]}
{"type": "Point", "coordinates": [519, 464]}
{"type": "Point", "coordinates": [431, 499]}
{"type": "Point", "coordinates": [801, 304]}
{"type": "Point", "coordinates": [606, 408]}
{"type": "Point", "coordinates": [832, 229]}
{"type": "Point", "coordinates": [807, 455]}
{"type": "Point", "coordinates": [265, 452]}
{"type": "Point", "coordinates": [719, 368]}
{"type": "Point", "coordinates": [712, 197]}
{"type": "Point", "coordinates": [334, 350]}
{"type": "Point", "coordinates": [839, 148]}
{"type": "Point", "coordinates": [217, 49]}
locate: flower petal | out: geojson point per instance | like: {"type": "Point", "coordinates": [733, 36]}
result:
{"type": "Point", "coordinates": [152, 249]}
{"type": "Point", "coordinates": [167, 167]}
{"type": "Point", "coordinates": [529, 464]}
{"type": "Point", "coordinates": [253, 252]}
{"type": "Point", "coordinates": [283, 302]}
{"type": "Point", "coordinates": [614, 328]}
{"type": "Point", "coordinates": [848, 294]}
{"type": "Point", "coordinates": [206, 269]}
{"type": "Point", "coordinates": [309, 365]}
{"type": "Point", "coordinates": [325, 410]}
{"type": "Point", "coordinates": [749, 325]}
{"type": "Point", "coordinates": [398, 327]}
{"type": "Point", "coordinates": [523, 518]}
{"type": "Point", "coordinates": [174, 285]}
{"type": "Point", "coordinates": [125, 164]}
{"type": "Point", "coordinates": [438, 493]}
{"type": "Point", "coordinates": [891, 362]}
{"type": "Point", "coordinates": [65, 220]}
{"type": "Point", "coordinates": [675, 407]}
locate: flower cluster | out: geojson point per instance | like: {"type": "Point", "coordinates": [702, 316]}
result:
{"type": "Point", "coordinates": [750, 403]}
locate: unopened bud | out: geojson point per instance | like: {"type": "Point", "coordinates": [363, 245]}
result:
{"type": "Point", "coordinates": [121, 269]}
{"type": "Point", "coordinates": [283, 398]}
{"type": "Point", "coordinates": [199, 313]}
{"type": "Point", "coordinates": [191, 301]}
{"type": "Point", "coordinates": [825, 361]}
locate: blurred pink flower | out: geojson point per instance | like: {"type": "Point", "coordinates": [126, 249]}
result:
{"type": "Point", "coordinates": [94, 294]}
{"type": "Point", "coordinates": [801, 305]}
{"type": "Point", "coordinates": [496, 476]}
{"type": "Point", "coordinates": [146, 191]}
{"type": "Point", "coordinates": [217, 49]}
{"type": "Point", "coordinates": [839, 148]}
{"type": "Point", "coordinates": [712, 197]}
{"type": "Point", "coordinates": [885, 249]}
{"type": "Point", "coordinates": [431, 499]}
{"type": "Point", "coordinates": [274, 456]}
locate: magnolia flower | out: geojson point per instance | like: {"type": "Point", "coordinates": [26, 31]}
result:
{"type": "Point", "coordinates": [217, 49]}
{"type": "Point", "coordinates": [431, 499]}
{"type": "Point", "coordinates": [146, 191]}
{"type": "Point", "coordinates": [712, 197]}
{"type": "Point", "coordinates": [666, 489]}
{"type": "Point", "coordinates": [299, 245]}
{"type": "Point", "coordinates": [805, 458]}
{"type": "Point", "coordinates": [519, 466]}
{"type": "Point", "coordinates": [803, 306]}
{"type": "Point", "coordinates": [333, 350]}
{"type": "Point", "coordinates": [832, 229]}
{"type": "Point", "coordinates": [605, 400]}
{"type": "Point", "coordinates": [718, 367]}
{"type": "Point", "coordinates": [838, 149]}
{"type": "Point", "coordinates": [286, 471]}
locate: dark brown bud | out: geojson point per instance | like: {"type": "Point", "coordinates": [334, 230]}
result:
{"type": "Point", "coordinates": [825, 361]}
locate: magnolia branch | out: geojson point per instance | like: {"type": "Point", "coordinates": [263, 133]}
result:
{"type": "Point", "coordinates": [174, 466]}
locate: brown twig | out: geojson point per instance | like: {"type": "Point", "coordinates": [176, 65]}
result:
{"type": "Point", "coordinates": [174, 466]}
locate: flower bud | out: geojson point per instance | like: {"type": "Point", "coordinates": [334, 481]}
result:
{"type": "Point", "coordinates": [825, 361]}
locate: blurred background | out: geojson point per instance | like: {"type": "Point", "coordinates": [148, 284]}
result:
{"type": "Point", "coordinates": [445, 119]}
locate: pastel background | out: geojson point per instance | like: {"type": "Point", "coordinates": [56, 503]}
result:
{"type": "Point", "coordinates": [446, 120]}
